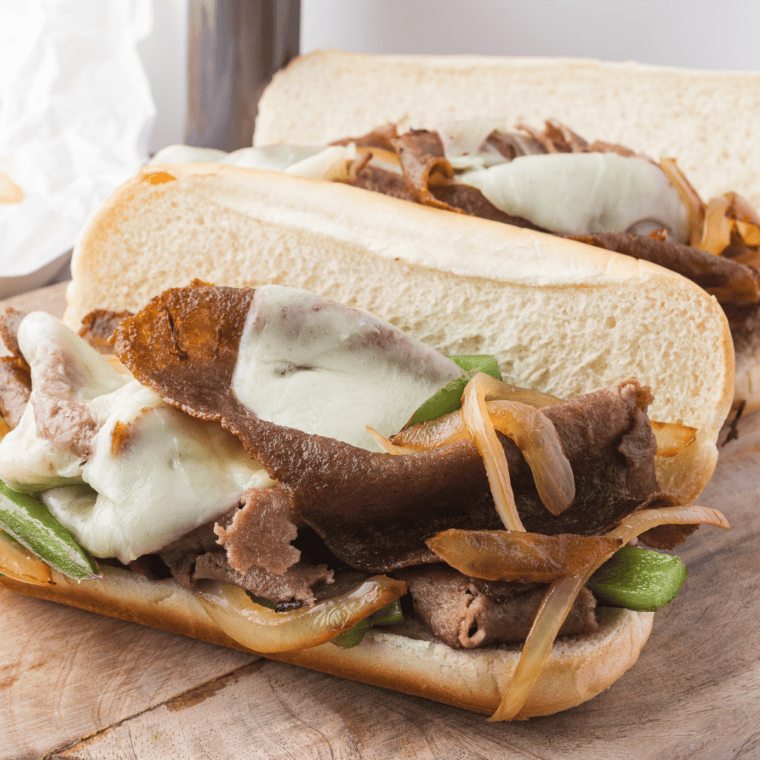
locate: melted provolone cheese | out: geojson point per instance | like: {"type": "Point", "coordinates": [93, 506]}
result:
{"type": "Point", "coordinates": [157, 473]}
{"type": "Point", "coordinates": [309, 363]}
{"type": "Point", "coordinates": [31, 463]}
{"type": "Point", "coordinates": [583, 193]}
{"type": "Point", "coordinates": [318, 161]}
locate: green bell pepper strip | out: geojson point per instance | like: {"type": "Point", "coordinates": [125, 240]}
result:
{"type": "Point", "coordinates": [29, 521]}
{"type": "Point", "coordinates": [638, 579]}
{"type": "Point", "coordinates": [449, 398]}
{"type": "Point", "coordinates": [388, 615]}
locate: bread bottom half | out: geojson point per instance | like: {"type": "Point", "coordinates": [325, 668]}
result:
{"type": "Point", "coordinates": [579, 667]}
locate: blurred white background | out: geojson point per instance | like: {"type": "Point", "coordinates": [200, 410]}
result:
{"type": "Point", "coordinates": [696, 34]}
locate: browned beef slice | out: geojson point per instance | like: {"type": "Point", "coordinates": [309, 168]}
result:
{"type": "Point", "coordinates": [15, 387]}
{"type": "Point", "coordinates": [463, 197]}
{"type": "Point", "coordinates": [374, 510]}
{"type": "Point", "coordinates": [294, 585]}
{"type": "Point", "coordinates": [380, 180]}
{"type": "Point", "coordinates": [420, 153]}
{"type": "Point", "coordinates": [512, 145]}
{"type": "Point", "coordinates": [197, 555]}
{"type": "Point", "coordinates": [554, 138]}
{"type": "Point", "coordinates": [10, 319]}
{"type": "Point", "coordinates": [463, 617]}
{"type": "Point", "coordinates": [470, 200]}
{"type": "Point", "coordinates": [729, 281]}
{"type": "Point", "coordinates": [60, 415]}
{"type": "Point", "coordinates": [180, 555]}
{"type": "Point", "coordinates": [259, 533]}
{"type": "Point", "coordinates": [98, 326]}
{"type": "Point", "coordinates": [382, 137]}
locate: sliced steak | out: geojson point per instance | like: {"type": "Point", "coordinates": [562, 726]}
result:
{"type": "Point", "coordinates": [462, 616]}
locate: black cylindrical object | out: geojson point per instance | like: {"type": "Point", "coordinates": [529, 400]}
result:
{"type": "Point", "coordinates": [234, 48]}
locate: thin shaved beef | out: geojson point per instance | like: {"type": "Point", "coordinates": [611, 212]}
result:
{"type": "Point", "coordinates": [98, 327]}
{"type": "Point", "coordinates": [60, 416]}
{"type": "Point", "coordinates": [10, 320]}
{"type": "Point", "coordinates": [15, 389]}
{"type": "Point", "coordinates": [368, 177]}
{"type": "Point", "coordinates": [424, 165]}
{"type": "Point", "coordinates": [374, 510]}
{"type": "Point", "coordinates": [462, 616]}
{"type": "Point", "coordinates": [382, 137]}
{"type": "Point", "coordinates": [466, 198]}
{"type": "Point", "coordinates": [197, 556]}
{"type": "Point", "coordinates": [259, 533]}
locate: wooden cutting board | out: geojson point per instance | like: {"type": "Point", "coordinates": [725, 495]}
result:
{"type": "Point", "coordinates": [77, 685]}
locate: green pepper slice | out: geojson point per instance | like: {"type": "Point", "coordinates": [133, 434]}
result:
{"type": "Point", "coordinates": [449, 398]}
{"type": "Point", "coordinates": [638, 579]}
{"type": "Point", "coordinates": [388, 615]}
{"type": "Point", "coordinates": [29, 521]}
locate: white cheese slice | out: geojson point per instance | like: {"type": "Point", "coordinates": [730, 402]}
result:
{"type": "Point", "coordinates": [31, 463]}
{"type": "Point", "coordinates": [309, 363]}
{"type": "Point", "coordinates": [583, 193]}
{"type": "Point", "coordinates": [316, 161]}
{"type": "Point", "coordinates": [157, 472]}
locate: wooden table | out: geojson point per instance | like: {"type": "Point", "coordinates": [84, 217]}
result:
{"type": "Point", "coordinates": [77, 685]}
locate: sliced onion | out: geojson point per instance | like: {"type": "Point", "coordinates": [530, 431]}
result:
{"type": "Point", "coordinates": [499, 555]}
{"type": "Point", "coordinates": [17, 562]}
{"type": "Point", "coordinates": [529, 396]}
{"type": "Point", "coordinates": [264, 630]}
{"type": "Point", "coordinates": [475, 415]}
{"type": "Point", "coordinates": [716, 230]}
{"type": "Point", "coordinates": [689, 196]}
{"type": "Point", "coordinates": [433, 434]}
{"type": "Point", "coordinates": [672, 437]}
{"type": "Point", "coordinates": [533, 433]}
{"type": "Point", "coordinates": [536, 437]}
{"type": "Point", "coordinates": [561, 595]}
{"type": "Point", "coordinates": [384, 443]}
{"type": "Point", "coordinates": [745, 218]}
{"type": "Point", "coordinates": [380, 154]}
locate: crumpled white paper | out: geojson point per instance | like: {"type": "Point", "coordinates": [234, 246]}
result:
{"type": "Point", "coordinates": [76, 114]}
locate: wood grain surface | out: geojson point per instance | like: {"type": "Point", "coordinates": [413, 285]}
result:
{"type": "Point", "coordinates": [80, 686]}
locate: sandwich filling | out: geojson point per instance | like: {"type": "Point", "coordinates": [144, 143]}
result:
{"type": "Point", "coordinates": [229, 444]}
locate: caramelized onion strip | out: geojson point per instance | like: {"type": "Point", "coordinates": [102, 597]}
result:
{"type": "Point", "coordinates": [716, 230]}
{"type": "Point", "coordinates": [442, 431]}
{"type": "Point", "coordinates": [561, 595]}
{"type": "Point", "coordinates": [264, 630]}
{"type": "Point", "coordinates": [533, 433]}
{"type": "Point", "coordinates": [500, 555]}
{"type": "Point", "coordinates": [536, 437]}
{"type": "Point", "coordinates": [385, 443]}
{"type": "Point", "coordinates": [17, 562]}
{"type": "Point", "coordinates": [672, 437]}
{"type": "Point", "coordinates": [689, 196]}
{"type": "Point", "coordinates": [475, 415]}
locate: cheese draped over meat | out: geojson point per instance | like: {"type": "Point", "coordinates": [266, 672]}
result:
{"type": "Point", "coordinates": [578, 194]}
{"type": "Point", "coordinates": [152, 473]}
{"type": "Point", "coordinates": [583, 193]}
